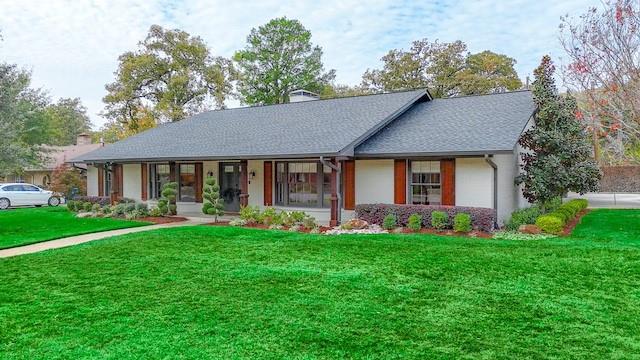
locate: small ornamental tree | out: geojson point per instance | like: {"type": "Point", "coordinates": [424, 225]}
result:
{"type": "Point", "coordinates": [167, 203]}
{"type": "Point", "coordinates": [559, 157]}
{"type": "Point", "coordinates": [64, 179]}
{"type": "Point", "coordinates": [212, 203]}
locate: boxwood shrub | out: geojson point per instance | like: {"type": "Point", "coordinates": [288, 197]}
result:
{"type": "Point", "coordinates": [550, 223]}
{"type": "Point", "coordinates": [481, 218]}
{"type": "Point", "coordinates": [554, 222]}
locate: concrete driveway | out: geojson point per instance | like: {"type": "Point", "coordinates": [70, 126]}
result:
{"type": "Point", "coordinates": [609, 200]}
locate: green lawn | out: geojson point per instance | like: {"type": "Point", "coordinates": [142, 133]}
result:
{"type": "Point", "coordinates": [31, 225]}
{"type": "Point", "coordinates": [220, 292]}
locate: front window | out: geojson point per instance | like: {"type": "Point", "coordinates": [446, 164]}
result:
{"type": "Point", "coordinates": [107, 182]}
{"type": "Point", "coordinates": [303, 184]}
{"type": "Point", "coordinates": [159, 176]}
{"type": "Point", "coordinates": [425, 183]}
{"type": "Point", "coordinates": [187, 182]}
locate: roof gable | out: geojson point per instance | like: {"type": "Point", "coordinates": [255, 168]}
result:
{"type": "Point", "coordinates": [459, 125]}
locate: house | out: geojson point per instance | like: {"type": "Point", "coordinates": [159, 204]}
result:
{"type": "Point", "coordinates": [327, 156]}
{"type": "Point", "coordinates": [55, 156]}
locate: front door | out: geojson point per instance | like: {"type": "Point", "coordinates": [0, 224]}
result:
{"type": "Point", "coordinates": [230, 186]}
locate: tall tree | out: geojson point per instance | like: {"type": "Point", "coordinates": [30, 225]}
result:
{"type": "Point", "coordinates": [66, 120]}
{"type": "Point", "coordinates": [172, 73]}
{"type": "Point", "coordinates": [114, 130]}
{"type": "Point", "coordinates": [446, 69]}
{"type": "Point", "coordinates": [487, 72]}
{"type": "Point", "coordinates": [603, 47]}
{"type": "Point", "coordinates": [21, 111]}
{"type": "Point", "coordinates": [331, 91]}
{"type": "Point", "coordinates": [559, 157]}
{"type": "Point", "coordinates": [279, 58]}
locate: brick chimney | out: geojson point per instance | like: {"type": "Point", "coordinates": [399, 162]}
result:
{"type": "Point", "coordinates": [83, 139]}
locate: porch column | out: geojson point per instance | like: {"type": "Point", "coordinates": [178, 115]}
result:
{"type": "Point", "coordinates": [334, 195]}
{"type": "Point", "coordinates": [244, 184]}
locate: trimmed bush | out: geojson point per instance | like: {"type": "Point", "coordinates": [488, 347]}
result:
{"type": "Point", "coordinates": [415, 222]}
{"type": "Point", "coordinates": [250, 213]}
{"type": "Point", "coordinates": [390, 222]}
{"type": "Point", "coordinates": [439, 220]}
{"type": "Point", "coordinates": [167, 203]}
{"type": "Point", "coordinates": [462, 223]}
{"type": "Point", "coordinates": [87, 206]}
{"type": "Point", "coordinates": [481, 218]}
{"type": "Point", "coordinates": [71, 205]}
{"type": "Point", "coordinates": [550, 223]}
{"type": "Point", "coordinates": [523, 217]}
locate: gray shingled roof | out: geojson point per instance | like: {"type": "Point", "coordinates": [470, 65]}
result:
{"type": "Point", "coordinates": [468, 124]}
{"type": "Point", "coordinates": [322, 127]}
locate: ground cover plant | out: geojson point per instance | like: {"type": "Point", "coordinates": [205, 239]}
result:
{"type": "Point", "coordinates": [229, 292]}
{"type": "Point", "coordinates": [27, 226]}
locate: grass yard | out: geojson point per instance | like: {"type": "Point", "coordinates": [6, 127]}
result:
{"type": "Point", "coordinates": [222, 292]}
{"type": "Point", "coordinates": [31, 225]}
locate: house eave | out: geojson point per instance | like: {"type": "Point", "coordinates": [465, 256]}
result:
{"type": "Point", "coordinates": [445, 154]}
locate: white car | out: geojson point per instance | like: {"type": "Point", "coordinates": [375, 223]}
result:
{"type": "Point", "coordinates": [16, 194]}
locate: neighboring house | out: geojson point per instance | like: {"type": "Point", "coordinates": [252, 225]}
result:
{"type": "Point", "coordinates": [327, 156]}
{"type": "Point", "coordinates": [54, 157]}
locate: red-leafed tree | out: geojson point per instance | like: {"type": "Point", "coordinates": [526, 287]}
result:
{"type": "Point", "coordinates": [65, 179]}
{"type": "Point", "coordinates": [603, 47]}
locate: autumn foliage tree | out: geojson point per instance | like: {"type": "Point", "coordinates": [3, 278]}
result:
{"type": "Point", "coordinates": [68, 181]}
{"type": "Point", "coordinates": [603, 47]}
{"type": "Point", "coordinates": [559, 157]}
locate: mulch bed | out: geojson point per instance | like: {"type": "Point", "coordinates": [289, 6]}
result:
{"type": "Point", "coordinates": [568, 228]}
{"type": "Point", "coordinates": [162, 220]}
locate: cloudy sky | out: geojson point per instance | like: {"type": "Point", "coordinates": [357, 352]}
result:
{"type": "Point", "coordinates": [72, 46]}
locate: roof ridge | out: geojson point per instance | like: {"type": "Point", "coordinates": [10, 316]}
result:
{"type": "Point", "coordinates": [311, 101]}
{"type": "Point", "coordinates": [478, 95]}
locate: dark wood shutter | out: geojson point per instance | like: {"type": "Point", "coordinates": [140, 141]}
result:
{"type": "Point", "coordinates": [199, 181]}
{"type": "Point", "coordinates": [116, 183]}
{"type": "Point", "coordinates": [400, 182]}
{"type": "Point", "coordinates": [448, 181]}
{"type": "Point", "coordinates": [144, 181]}
{"type": "Point", "coordinates": [268, 183]}
{"type": "Point", "coordinates": [349, 184]}
{"type": "Point", "coordinates": [100, 180]}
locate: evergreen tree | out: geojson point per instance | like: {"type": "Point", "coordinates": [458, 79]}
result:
{"type": "Point", "coordinates": [560, 157]}
{"type": "Point", "coordinates": [212, 204]}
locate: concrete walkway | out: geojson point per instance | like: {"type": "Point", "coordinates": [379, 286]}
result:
{"type": "Point", "coordinates": [79, 239]}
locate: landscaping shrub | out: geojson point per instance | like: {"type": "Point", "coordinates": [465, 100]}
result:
{"type": "Point", "coordinates": [250, 213]}
{"type": "Point", "coordinates": [439, 220]}
{"type": "Point", "coordinates": [155, 212]}
{"type": "Point", "coordinates": [550, 223]}
{"type": "Point", "coordinates": [415, 222]}
{"type": "Point", "coordinates": [71, 205]}
{"type": "Point", "coordinates": [390, 222]}
{"type": "Point", "coordinates": [212, 203]}
{"type": "Point", "coordinates": [462, 223]}
{"type": "Point", "coordinates": [125, 200]}
{"type": "Point", "coordinates": [481, 218]}
{"type": "Point", "coordinates": [96, 208]}
{"type": "Point", "coordinates": [87, 206]}
{"type": "Point", "coordinates": [118, 210]}
{"type": "Point", "coordinates": [167, 203]}
{"type": "Point", "coordinates": [523, 217]}
{"type": "Point", "coordinates": [102, 200]}
{"type": "Point", "coordinates": [309, 222]}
